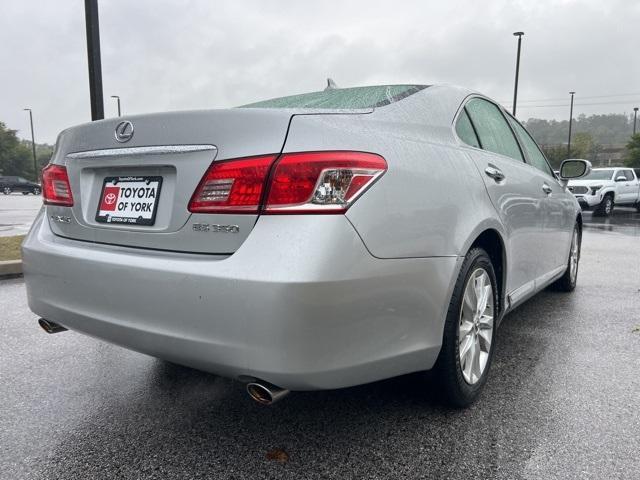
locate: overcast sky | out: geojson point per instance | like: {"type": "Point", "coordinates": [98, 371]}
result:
{"type": "Point", "coordinates": [173, 55]}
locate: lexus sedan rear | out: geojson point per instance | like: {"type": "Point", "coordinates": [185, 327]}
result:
{"type": "Point", "coordinates": [309, 242]}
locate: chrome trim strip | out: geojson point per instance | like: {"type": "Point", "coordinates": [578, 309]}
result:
{"type": "Point", "coordinates": [520, 293]}
{"type": "Point", "coordinates": [133, 151]}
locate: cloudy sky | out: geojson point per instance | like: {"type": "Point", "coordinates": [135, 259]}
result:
{"type": "Point", "coordinates": [173, 55]}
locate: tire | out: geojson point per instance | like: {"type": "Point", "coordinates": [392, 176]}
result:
{"type": "Point", "coordinates": [6, 190]}
{"type": "Point", "coordinates": [567, 282]}
{"type": "Point", "coordinates": [605, 207]}
{"type": "Point", "coordinates": [25, 193]}
{"type": "Point", "coordinates": [36, 191]}
{"type": "Point", "coordinates": [452, 371]}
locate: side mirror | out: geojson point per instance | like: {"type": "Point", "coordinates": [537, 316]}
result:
{"type": "Point", "coordinates": [621, 178]}
{"type": "Point", "coordinates": [574, 168]}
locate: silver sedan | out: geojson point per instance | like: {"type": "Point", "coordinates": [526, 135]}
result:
{"type": "Point", "coordinates": [315, 241]}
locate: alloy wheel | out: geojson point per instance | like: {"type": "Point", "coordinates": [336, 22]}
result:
{"type": "Point", "coordinates": [574, 257]}
{"type": "Point", "coordinates": [475, 328]}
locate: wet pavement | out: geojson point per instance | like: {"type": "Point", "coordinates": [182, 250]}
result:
{"type": "Point", "coordinates": [623, 220]}
{"type": "Point", "coordinates": [562, 401]}
{"type": "Point", "coordinates": [17, 213]}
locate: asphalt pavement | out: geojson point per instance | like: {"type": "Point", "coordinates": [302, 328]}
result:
{"type": "Point", "coordinates": [17, 212]}
{"type": "Point", "coordinates": [562, 401]}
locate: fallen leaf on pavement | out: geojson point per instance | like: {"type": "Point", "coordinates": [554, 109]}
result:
{"type": "Point", "coordinates": [278, 455]}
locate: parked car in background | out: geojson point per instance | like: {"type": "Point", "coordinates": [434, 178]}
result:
{"type": "Point", "coordinates": [604, 188]}
{"type": "Point", "coordinates": [316, 241]}
{"type": "Point", "coordinates": [9, 184]}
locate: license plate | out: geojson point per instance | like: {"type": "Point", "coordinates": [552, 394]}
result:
{"type": "Point", "coordinates": [129, 200]}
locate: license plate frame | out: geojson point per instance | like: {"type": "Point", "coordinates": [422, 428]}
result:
{"type": "Point", "coordinates": [120, 182]}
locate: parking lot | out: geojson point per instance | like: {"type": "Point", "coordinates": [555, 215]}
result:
{"type": "Point", "coordinates": [17, 212]}
{"type": "Point", "coordinates": [561, 402]}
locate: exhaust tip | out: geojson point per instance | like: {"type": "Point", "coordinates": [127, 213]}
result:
{"type": "Point", "coordinates": [265, 393]}
{"type": "Point", "coordinates": [50, 327]}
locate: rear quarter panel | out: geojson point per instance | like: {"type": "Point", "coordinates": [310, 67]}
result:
{"type": "Point", "coordinates": [431, 202]}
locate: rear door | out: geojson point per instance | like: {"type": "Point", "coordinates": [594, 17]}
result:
{"type": "Point", "coordinates": [514, 191]}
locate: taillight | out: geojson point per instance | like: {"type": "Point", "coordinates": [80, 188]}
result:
{"type": "Point", "coordinates": [321, 182]}
{"type": "Point", "coordinates": [232, 186]}
{"type": "Point", "coordinates": [307, 182]}
{"type": "Point", "coordinates": [55, 186]}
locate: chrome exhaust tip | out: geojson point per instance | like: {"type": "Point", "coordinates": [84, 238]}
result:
{"type": "Point", "coordinates": [51, 327]}
{"type": "Point", "coordinates": [265, 393]}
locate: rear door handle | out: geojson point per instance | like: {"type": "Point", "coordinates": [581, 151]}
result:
{"type": "Point", "coordinates": [547, 189]}
{"type": "Point", "coordinates": [494, 172]}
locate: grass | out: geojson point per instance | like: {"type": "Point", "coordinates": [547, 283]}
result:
{"type": "Point", "coordinates": [10, 247]}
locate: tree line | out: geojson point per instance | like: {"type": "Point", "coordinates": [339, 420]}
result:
{"type": "Point", "coordinates": [590, 136]}
{"type": "Point", "coordinates": [16, 156]}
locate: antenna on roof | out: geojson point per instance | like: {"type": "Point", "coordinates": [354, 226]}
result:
{"type": "Point", "coordinates": [331, 85]}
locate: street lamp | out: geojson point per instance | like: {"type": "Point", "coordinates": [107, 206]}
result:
{"type": "Point", "coordinates": [118, 99]}
{"type": "Point", "coordinates": [33, 144]}
{"type": "Point", "coordinates": [635, 117]}
{"type": "Point", "coordinates": [570, 122]}
{"type": "Point", "coordinates": [515, 88]}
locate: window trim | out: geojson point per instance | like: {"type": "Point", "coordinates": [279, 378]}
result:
{"type": "Point", "coordinates": [463, 106]}
{"type": "Point", "coordinates": [526, 156]}
{"type": "Point", "coordinates": [464, 111]}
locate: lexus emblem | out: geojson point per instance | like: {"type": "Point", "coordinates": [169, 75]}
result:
{"type": "Point", "coordinates": [124, 131]}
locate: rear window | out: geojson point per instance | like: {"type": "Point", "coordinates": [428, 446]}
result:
{"type": "Point", "coordinates": [343, 98]}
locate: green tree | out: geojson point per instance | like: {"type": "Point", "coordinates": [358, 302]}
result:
{"type": "Point", "coordinates": [632, 158]}
{"type": "Point", "coordinates": [582, 145]}
{"type": "Point", "coordinates": [15, 157]}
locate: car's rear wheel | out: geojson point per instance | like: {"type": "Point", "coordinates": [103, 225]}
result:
{"type": "Point", "coordinates": [36, 191]}
{"type": "Point", "coordinates": [469, 332]}
{"type": "Point", "coordinates": [6, 190]}
{"type": "Point", "coordinates": [567, 283]}
{"type": "Point", "coordinates": [25, 193]}
{"type": "Point", "coordinates": [605, 207]}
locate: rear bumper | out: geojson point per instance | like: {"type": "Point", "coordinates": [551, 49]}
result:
{"type": "Point", "coordinates": [302, 304]}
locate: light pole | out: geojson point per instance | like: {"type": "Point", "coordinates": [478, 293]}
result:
{"type": "Point", "coordinates": [570, 122]}
{"type": "Point", "coordinates": [93, 57]}
{"type": "Point", "coordinates": [635, 117]}
{"type": "Point", "coordinates": [33, 144]}
{"type": "Point", "coordinates": [515, 88]}
{"type": "Point", "coordinates": [118, 99]}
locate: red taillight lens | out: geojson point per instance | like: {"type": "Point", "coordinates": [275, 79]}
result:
{"type": "Point", "coordinates": [321, 182]}
{"type": "Point", "coordinates": [55, 186]}
{"type": "Point", "coordinates": [232, 186]}
{"type": "Point", "coordinates": [309, 182]}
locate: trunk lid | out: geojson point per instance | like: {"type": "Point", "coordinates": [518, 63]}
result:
{"type": "Point", "coordinates": [177, 148]}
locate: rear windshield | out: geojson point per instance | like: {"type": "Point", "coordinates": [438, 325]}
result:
{"type": "Point", "coordinates": [599, 175]}
{"type": "Point", "coordinates": [343, 98]}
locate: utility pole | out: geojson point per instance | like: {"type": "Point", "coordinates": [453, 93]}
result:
{"type": "Point", "coordinates": [93, 55]}
{"type": "Point", "coordinates": [33, 144]}
{"type": "Point", "coordinates": [635, 118]}
{"type": "Point", "coordinates": [515, 88]}
{"type": "Point", "coordinates": [570, 122]}
{"type": "Point", "coordinates": [118, 99]}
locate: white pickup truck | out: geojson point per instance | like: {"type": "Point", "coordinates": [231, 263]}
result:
{"type": "Point", "coordinates": [605, 187]}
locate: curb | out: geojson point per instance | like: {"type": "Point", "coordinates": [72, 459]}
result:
{"type": "Point", "coordinates": [10, 268]}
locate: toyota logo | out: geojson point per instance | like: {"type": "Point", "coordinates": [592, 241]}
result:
{"type": "Point", "coordinates": [110, 198]}
{"type": "Point", "coordinates": [124, 131]}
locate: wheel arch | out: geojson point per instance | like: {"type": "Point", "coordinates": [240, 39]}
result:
{"type": "Point", "coordinates": [491, 240]}
{"type": "Point", "coordinates": [611, 192]}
